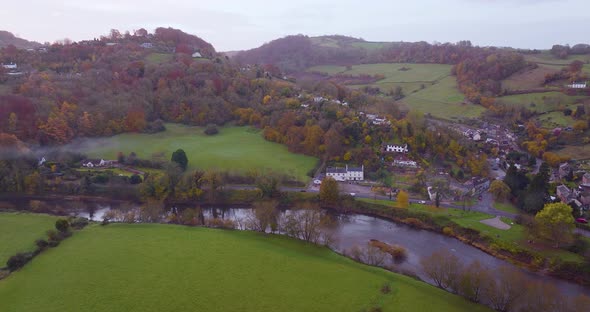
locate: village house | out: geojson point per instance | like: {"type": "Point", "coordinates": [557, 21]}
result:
{"type": "Point", "coordinates": [146, 45]}
{"type": "Point", "coordinates": [586, 178]}
{"type": "Point", "coordinates": [197, 55]}
{"type": "Point", "coordinates": [391, 148]}
{"type": "Point", "coordinates": [577, 85]}
{"type": "Point", "coordinates": [10, 66]}
{"type": "Point", "coordinates": [564, 170]}
{"type": "Point", "coordinates": [405, 163]}
{"type": "Point", "coordinates": [96, 163]}
{"type": "Point", "coordinates": [564, 193]}
{"type": "Point", "coordinates": [346, 174]}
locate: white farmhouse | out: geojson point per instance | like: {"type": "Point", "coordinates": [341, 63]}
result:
{"type": "Point", "coordinates": [390, 148]}
{"type": "Point", "coordinates": [197, 55]}
{"type": "Point", "coordinates": [10, 66]}
{"type": "Point", "coordinates": [346, 174]}
{"type": "Point", "coordinates": [577, 85]}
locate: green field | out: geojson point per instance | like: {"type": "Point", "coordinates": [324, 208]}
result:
{"type": "Point", "coordinates": [158, 58]}
{"type": "Point", "coordinates": [148, 267]}
{"type": "Point", "coordinates": [506, 206]}
{"type": "Point", "coordinates": [443, 100]}
{"type": "Point", "coordinates": [18, 232]}
{"type": "Point", "coordinates": [238, 149]}
{"type": "Point", "coordinates": [543, 102]}
{"type": "Point", "coordinates": [555, 119]}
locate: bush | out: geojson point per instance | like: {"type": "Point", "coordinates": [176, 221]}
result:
{"type": "Point", "coordinates": [135, 179]}
{"type": "Point", "coordinates": [100, 179]}
{"type": "Point", "coordinates": [62, 225]}
{"type": "Point", "coordinates": [41, 243]}
{"type": "Point", "coordinates": [211, 129]}
{"type": "Point", "coordinates": [18, 261]}
{"type": "Point", "coordinates": [399, 254]}
{"type": "Point", "coordinates": [385, 289]}
{"type": "Point", "coordinates": [79, 223]}
{"type": "Point", "coordinates": [53, 236]}
{"type": "Point", "coordinates": [448, 231]}
{"type": "Point", "coordinates": [413, 222]}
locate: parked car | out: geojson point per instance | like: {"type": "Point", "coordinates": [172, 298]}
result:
{"type": "Point", "coordinates": [352, 194]}
{"type": "Point", "coordinates": [582, 220]}
{"type": "Point", "coordinates": [422, 202]}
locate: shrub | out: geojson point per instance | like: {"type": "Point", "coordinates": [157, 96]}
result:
{"type": "Point", "coordinates": [4, 274]}
{"type": "Point", "coordinates": [385, 289]}
{"type": "Point", "coordinates": [211, 129]}
{"type": "Point", "coordinates": [448, 231]}
{"type": "Point", "coordinates": [79, 223]}
{"type": "Point", "coordinates": [398, 253]}
{"type": "Point", "coordinates": [62, 225]}
{"type": "Point", "coordinates": [135, 179]}
{"type": "Point", "coordinates": [413, 222]}
{"type": "Point", "coordinates": [18, 261]}
{"type": "Point", "coordinates": [41, 243]}
{"type": "Point", "coordinates": [53, 236]}
{"type": "Point", "coordinates": [100, 179]}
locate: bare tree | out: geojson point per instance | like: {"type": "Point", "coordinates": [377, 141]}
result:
{"type": "Point", "coordinates": [307, 224]}
{"type": "Point", "coordinates": [473, 280]}
{"type": "Point", "coordinates": [443, 268]}
{"type": "Point", "coordinates": [504, 291]}
{"type": "Point", "coordinates": [542, 296]}
{"type": "Point", "coordinates": [263, 216]}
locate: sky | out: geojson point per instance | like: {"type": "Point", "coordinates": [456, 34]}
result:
{"type": "Point", "coordinates": [240, 24]}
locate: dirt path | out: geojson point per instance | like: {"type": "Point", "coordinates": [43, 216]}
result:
{"type": "Point", "coordinates": [497, 223]}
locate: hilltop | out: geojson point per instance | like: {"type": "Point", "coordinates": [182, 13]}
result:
{"type": "Point", "coordinates": [7, 38]}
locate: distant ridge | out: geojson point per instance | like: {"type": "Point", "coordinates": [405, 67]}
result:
{"type": "Point", "coordinates": [7, 38]}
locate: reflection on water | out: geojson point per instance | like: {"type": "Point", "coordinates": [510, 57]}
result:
{"type": "Point", "coordinates": [351, 230]}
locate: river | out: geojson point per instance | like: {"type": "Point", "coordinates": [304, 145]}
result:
{"type": "Point", "coordinates": [356, 229]}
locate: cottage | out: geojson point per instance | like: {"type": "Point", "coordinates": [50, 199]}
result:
{"type": "Point", "coordinates": [346, 174]}
{"type": "Point", "coordinates": [10, 66]}
{"type": "Point", "coordinates": [390, 148]}
{"type": "Point", "coordinates": [564, 193]}
{"type": "Point", "coordinates": [577, 85]}
{"type": "Point", "coordinates": [405, 163]}
{"type": "Point", "coordinates": [197, 55]}
{"type": "Point", "coordinates": [586, 178]}
{"type": "Point", "coordinates": [564, 170]}
{"type": "Point", "coordinates": [146, 45]}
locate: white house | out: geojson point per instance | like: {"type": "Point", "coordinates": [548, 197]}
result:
{"type": "Point", "coordinates": [476, 136]}
{"type": "Point", "coordinates": [10, 66]}
{"type": "Point", "coordinates": [390, 148]}
{"type": "Point", "coordinates": [346, 174]}
{"type": "Point", "coordinates": [405, 163]}
{"type": "Point", "coordinates": [577, 85]}
{"type": "Point", "coordinates": [147, 45]}
{"type": "Point", "coordinates": [197, 54]}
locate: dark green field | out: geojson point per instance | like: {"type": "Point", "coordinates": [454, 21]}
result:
{"type": "Point", "coordinates": [18, 232]}
{"type": "Point", "coordinates": [148, 267]}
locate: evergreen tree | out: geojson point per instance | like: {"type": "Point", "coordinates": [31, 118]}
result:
{"type": "Point", "coordinates": [180, 158]}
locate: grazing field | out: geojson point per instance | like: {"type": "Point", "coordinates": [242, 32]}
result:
{"type": "Point", "coordinates": [393, 72]}
{"type": "Point", "coordinates": [547, 58]}
{"type": "Point", "coordinates": [541, 102]}
{"type": "Point", "coordinates": [575, 151]}
{"type": "Point", "coordinates": [238, 149]}
{"type": "Point", "coordinates": [149, 267]}
{"type": "Point", "coordinates": [530, 78]}
{"type": "Point", "coordinates": [158, 58]}
{"type": "Point", "coordinates": [555, 119]}
{"type": "Point", "coordinates": [18, 232]}
{"type": "Point", "coordinates": [443, 100]}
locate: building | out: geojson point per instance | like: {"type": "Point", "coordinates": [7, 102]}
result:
{"type": "Point", "coordinates": [586, 178]}
{"type": "Point", "coordinates": [197, 55]}
{"type": "Point", "coordinates": [564, 193]}
{"type": "Point", "coordinates": [390, 148]}
{"type": "Point", "coordinates": [564, 170]}
{"type": "Point", "coordinates": [346, 174]}
{"type": "Point", "coordinates": [10, 66]}
{"type": "Point", "coordinates": [147, 45]}
{"type": "Point", "coordinates": [577, 85]}
{"type": "Point", "coordinates": [405, 163]}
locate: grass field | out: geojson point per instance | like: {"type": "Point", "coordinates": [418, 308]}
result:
{"type": "Point", "coordinates": [148, 267]}
{"type": "Point", "coordinates": [18, 232]}
{"type": "Point", "coordinates": [555, 119]}
{"type": "Point", "coordinates": [158, 58]}
{"type": "Point", "coordinates": [547, 58]}
{"type": "Point", "coordinates": [530, 79]}
{"type": "Point", "coordinates": [393, 72]}
{"type": "Point", "coordinates": [543, 102]}
{"type": "Point", "coordinates": [506, 206]}
{"type": "Point", "coordinates": [575, 151]}
{"type": "Point", "coordinates": [237, 149]}
{"type": "Point", "coordinates": [443, 100]}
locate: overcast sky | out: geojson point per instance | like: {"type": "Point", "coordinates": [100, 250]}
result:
{"type": "Point", "coordinates": [245, 24]}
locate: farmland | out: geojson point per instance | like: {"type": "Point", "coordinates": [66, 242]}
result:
{"type": "Point", "coordinates": [147, 267]}
{"type": "Point", "coordinates": [18, 232]}
{"type": "Point", "coordinates": [238, 149]}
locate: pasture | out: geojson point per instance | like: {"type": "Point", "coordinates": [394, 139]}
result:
{"type": "Point", "coordinates": [150, 267]}
{"type": "Point", "coordinates": [541, 102]}
{"type": "Point", "coordinates": [443, 100]}
{"type": "Point", "coordinates": [236, 149]}
{"type": "Point", "coordinates": [18, 232]}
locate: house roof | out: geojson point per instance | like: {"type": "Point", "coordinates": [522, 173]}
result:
{"type": "Point", "coordinates": [562, 189]}
{"type": "Point", "coordinates": [360, 169]}
{"type": "Point", "coordinates": [335, 170]}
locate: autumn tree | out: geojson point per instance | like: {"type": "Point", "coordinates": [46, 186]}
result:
{"type": "Point", "coordinates": [556, 223]}
{"type": "Point", "coordinates": [268, 183]}
{"type": "Point", "coordinates": [329, 191]}
{"type": "Point", "coordinates": [308, 224]}
{"type": "Point", "coordinates": [403, 199]}
{"type": "Point", "coordinates": [214, 181]}
{"type": "Point", "coordinates": [500, 190]}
